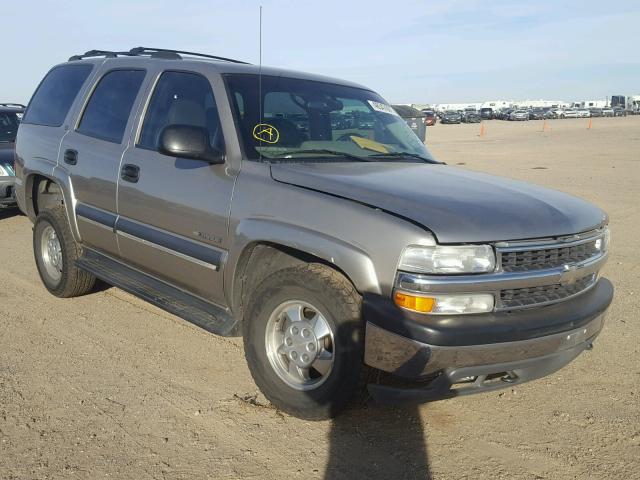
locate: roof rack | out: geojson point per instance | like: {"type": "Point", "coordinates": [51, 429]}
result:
{"type": "Point", "coordinates": [151, 52]}
{"type": "Point", "coordinates": [98, 53]}
{"type": "Point", "coordinates": [19, 105]}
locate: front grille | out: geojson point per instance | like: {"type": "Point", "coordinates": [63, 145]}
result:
{"type": "Point", "coordinates": [524, 297]}
{"type": "Point", "coordinates": [542, 258]}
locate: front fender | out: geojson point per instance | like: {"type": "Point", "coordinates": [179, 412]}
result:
{"type": "Point", "coordinates": [350, 259]}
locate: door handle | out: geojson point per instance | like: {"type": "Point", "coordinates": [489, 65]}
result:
{"type": "Point", "coordinates": [130, 173]}
{"type": "Point", "coordinates": [70, 157]}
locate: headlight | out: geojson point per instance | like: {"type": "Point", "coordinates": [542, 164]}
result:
{"type": "Point", "coordinates": [448, 259]}
{"type": "Point", "coordinates": [602, 244]}
{"type": "Point", "coordinates": [443, 304]}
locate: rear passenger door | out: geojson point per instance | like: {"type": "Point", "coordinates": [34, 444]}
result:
{"type": "Point", "coordinates": [173, 212]}
{"type": "Point", "coordinates": [92, 152]}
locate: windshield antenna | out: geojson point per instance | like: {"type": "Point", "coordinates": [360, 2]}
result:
{"type": "Point", "coordinates": [260, 77]}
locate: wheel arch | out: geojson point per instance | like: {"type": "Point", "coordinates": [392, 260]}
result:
{"type": "Point", "coordinates": [45, 192]}
{"type": "Point", "coordinates": [268, 246]}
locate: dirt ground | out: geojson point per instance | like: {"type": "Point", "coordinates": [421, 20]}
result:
{"type": "Point", "coordinates": [107, 386]}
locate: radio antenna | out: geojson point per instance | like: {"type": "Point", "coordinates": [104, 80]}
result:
{"type": "Point", "coordinates": [260, 75]}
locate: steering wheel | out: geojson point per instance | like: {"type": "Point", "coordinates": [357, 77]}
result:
{"type": "Point", "coordinates": [347, 136]}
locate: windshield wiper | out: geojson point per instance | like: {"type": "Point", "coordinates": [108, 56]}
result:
{"type": "Point", "coordinates": [404, 154]}
{"type": "Point", "coordinates": [321, 151]}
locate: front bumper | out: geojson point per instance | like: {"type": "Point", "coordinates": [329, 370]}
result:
{"type": "Point", "coordinates": [478, 353]}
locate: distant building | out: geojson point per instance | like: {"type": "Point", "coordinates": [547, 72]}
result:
{"type": "Point", "coordinates": [441, 107]}
{"type": "Point", "coordinates": [541, 104]}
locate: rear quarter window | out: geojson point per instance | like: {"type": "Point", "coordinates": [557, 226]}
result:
{"type": "Point", "coordinates": [55, 95]}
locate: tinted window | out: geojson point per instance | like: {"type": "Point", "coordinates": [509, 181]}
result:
{"type": "Point", "coordinates": [181, 99]}
{"type": "Point", "coordinates": [52, 101]}
{"type": "Point", "coordinates": [108, 110]}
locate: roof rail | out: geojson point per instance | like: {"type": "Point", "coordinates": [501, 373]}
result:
{"type": "Point", "coordinates": [12, 105]}
{"type": "Point", "coordinates": [98, 53]}
{"type": "Point", "coordinates": [151, 52]}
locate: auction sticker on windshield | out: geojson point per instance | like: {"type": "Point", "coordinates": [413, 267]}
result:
{"type": "Point", "coordinates": [382, 107]}
{"type": "Point", "coordinates": [266, 133]}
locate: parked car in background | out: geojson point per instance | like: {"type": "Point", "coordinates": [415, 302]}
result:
{"type": "Point", "coordinates": [10, 116]}
{"type": "Point", "coordinates": [416, 120]}
{"type": "Point", "coordinates": [551, 114]}
{"type": "Point", "coordinates": [619, 111]}
{"type": "Point", "coordinates": [583, 113]}
{"type": "Point", "coordinates": [487, 113]}
{"type": "Point", "coordinates": [596, 112]}
{"type": "Point", "coordinates": [430, 117]}
{"type": "Point", "coordinates": [569, 113]}
{"type": "Point", "coordinates": [450, 116]}
{"type": "Point", "coordinates": [519, 115]}
{"type": "Point", "coordinates": [607, 112]}
{"type": "Point", "coordinates": [471, 117]}
{"type": "Point", "coordinates": [536, 114]}
{"type": "Point", "coordinates": [505, 113]}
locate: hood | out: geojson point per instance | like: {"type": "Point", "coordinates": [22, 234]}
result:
{"type": "Point", "coordinates": [457, 205]}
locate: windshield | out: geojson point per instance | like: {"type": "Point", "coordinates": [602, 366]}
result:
{"type": "Point", "coordinates": [302, 119]}
{"type": "Point", "coordinates": [8, 126]}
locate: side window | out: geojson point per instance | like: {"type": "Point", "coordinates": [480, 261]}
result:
{"type": "Point", "coordinates": [181, 98]}
{"type": "Point", "coordinates": [53, 98]}
{"type": "Point", "coordinates": [107, 112]}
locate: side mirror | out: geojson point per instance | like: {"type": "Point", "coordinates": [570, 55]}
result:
{"type": "Point", "coordinates": [188, 141]}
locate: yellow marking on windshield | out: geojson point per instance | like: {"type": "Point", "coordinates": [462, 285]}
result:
{"type": "Point", "coordinates": [367, 144]}
{"type": "Point", "coordinates": [266, 133]}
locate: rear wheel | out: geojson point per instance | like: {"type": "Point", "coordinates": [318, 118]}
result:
{"type": "Point", "coordinates": [55, 253]}
{"type": "Point", "coordinates": [304, 341]}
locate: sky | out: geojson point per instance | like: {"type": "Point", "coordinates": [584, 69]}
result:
{"type": "Point", "coordinates": [426, 51]}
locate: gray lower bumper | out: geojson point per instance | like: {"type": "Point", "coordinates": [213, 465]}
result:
{"type": "Point", "coordinates": [470, 369]}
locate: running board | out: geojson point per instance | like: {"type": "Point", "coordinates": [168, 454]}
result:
{"type": "Point", "coordinates": [205, 315]}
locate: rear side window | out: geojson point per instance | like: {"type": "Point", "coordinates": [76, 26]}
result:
{"type": "Point", "coordinates": [181, 98]}
{"type": "Point", "coordinates": [107, 112]}
{"type": "Point", "coordinates": [53, 98]}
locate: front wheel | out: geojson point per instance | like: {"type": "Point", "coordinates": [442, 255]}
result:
{"type": "Point", "coordinates": [304, 341]}
{"type": "Point", "coordinates": [55, 253]}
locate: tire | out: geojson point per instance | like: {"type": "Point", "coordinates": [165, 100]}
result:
{"type": "Point", "coordinates": [56, 265]}
{"type": "Point", "coordinates": [335, 300]}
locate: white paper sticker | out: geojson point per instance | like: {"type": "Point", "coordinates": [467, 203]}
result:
{"type": "Point", "coordinates": [382, 107]}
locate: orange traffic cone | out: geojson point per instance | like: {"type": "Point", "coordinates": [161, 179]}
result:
{"type": "Point", "coordinates": [589, 126]}
{"type": "Point", "coordinates": [544, 125]}
{"type": "Point", "coordinates": [482, 129]}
